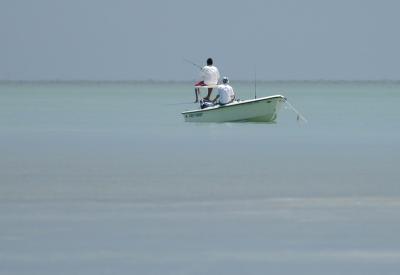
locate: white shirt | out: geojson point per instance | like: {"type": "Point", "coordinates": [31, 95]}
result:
{"type": "Point", "coordinates": [210, 75]}
{"type": "Point", "coordinates": [226, 94]}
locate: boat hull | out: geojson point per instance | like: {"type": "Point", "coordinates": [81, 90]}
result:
{"type": "Point", "coordinates": [255, 110]}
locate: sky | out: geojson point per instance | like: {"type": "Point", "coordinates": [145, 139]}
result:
{"type": "Point", "coordinates": [143, 40]}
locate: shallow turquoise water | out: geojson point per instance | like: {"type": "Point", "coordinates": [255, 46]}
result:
{"type": "Point", "coordinates": [107, 177]}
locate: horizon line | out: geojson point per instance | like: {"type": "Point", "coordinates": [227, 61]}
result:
{"type": "Point", "coordinates": [185, 81]}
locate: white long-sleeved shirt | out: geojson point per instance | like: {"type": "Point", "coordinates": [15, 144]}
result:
{"type": "Point", "coordinates": [210, 75]}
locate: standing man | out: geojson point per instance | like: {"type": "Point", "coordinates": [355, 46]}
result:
{"type": "Point", "coordinates": [209, 75]}
{"type": "Point", "coordinates": [225, 93]}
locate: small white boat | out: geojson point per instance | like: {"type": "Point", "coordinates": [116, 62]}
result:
{"type": "Point", "coordinates": [263, 109]}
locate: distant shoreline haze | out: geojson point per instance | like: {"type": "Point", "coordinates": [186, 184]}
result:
{"type": "Point", "coordinates": [3, 81]}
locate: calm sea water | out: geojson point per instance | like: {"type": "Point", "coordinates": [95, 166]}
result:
{"type": "Point", "coordinates": [106, 178]}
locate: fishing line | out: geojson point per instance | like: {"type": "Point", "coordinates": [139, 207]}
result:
{"type": "Point", "coordinates": [299, 115]}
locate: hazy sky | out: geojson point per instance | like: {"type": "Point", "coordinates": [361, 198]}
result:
{"type": "Point", "coordinates": [140, 40]}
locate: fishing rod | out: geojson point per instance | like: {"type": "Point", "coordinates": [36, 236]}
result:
{"type": "Point", "coordinates": [255, 82]}
{"type": "Point", "coordinates": [192, 63]}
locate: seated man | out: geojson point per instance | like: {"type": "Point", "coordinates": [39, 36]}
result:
{"type": "Point", "coordinates": [209, 76]}
{"type": "Point", "coordinates": [225, 93]}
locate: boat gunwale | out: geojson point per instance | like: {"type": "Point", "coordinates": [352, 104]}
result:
{"type": "Point", "coordinates": [234, 104]}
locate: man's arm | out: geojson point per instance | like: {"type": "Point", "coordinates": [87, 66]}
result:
{"type": "Point", "coordinates": [234, 95]}
{"type": "Point", "coordinates": [215, 99]}
{"type": "Point", "coordinates": [202, 74]}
